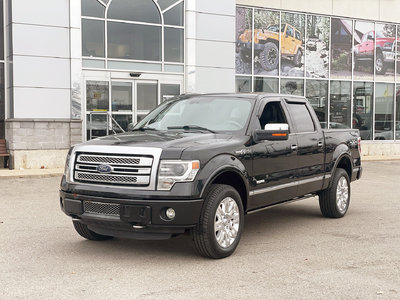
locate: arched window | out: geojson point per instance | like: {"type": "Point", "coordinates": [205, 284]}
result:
{"type": "Point", "coordinates": [146, 35]}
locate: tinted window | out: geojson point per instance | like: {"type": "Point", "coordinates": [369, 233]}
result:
{"type": "Point", "coordinates": [272, 114]}
{"type": "Point", "coordinates": [301, 117]}
{"type": "Point", "coordinates": [138, 10]}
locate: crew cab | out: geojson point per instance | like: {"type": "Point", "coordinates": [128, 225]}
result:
{"type": "Point", "coordinates": [200, 163]}
{"type": "Point", "coordinates": [266, 45]}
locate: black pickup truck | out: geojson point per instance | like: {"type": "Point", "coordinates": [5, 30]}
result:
{"type": "Point", "coordinates": [199, 163]}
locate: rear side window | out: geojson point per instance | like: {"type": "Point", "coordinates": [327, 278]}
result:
{"type": "Point", "coordinates": [298, 36]}
{"type": "Point", "coordinates": [301, 117]}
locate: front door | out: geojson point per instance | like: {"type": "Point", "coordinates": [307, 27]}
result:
{"type": "Point", "coordinates": [112, 106]}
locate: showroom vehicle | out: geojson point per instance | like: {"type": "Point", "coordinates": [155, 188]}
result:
{"type": "Point", "coordinates": [266, 45]}
{"type": "Point", "coordinates": [384, 51]}
{"type": "Point", "coordinates": [199, 163]}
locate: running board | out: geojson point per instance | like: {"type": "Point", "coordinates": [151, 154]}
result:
{"type": "Point", "coordinates": [281, 203]}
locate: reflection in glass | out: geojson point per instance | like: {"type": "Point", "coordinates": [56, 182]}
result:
{"type": "Point", "coordinates": [96, 125]}
{"type": "Point", "coordinates": [340, 104]}
{"type": "Point", "coordinates": [385, 51]}
{"type": "Point", "coordinates": [166, 3]}
{"type": "Point", "coordinates": [317, 95]}
{"type": "Point", "coordinates": [92, 38]}
{"type": "Point", "coordinates": [384, 111]}
{"type": "Point", "coordinates": [363, 94]}
{"type": "Point", "coordinates": [1, 31]}
{"type": "Point", "coordinates": [266, 85]}
{"type": "Point", "coordinates": [398, 112]}
{"type": "Point", "coordinates": [2, 102]}
{"type": "Point", "coordinates": [317, 46]}
{"type": "Point", "coordinates": [244, 40]}
{"type": "Point", "coordinates": [168, 91]}
{"type": "Point", "coordinates": [146, 96]}
{"type": "Point", "coordinates": [243, 84]}
{"type": "Point", "coordinates": [123, 121]}
{"type": "Point", "coordinates": [134, 41]}
{"type": "Point", "coordinates": [266, 42]}
{"type": "Point", "coordinates": [97, 96]}
{"type": "Point", "coordinates": [173, 47]}
{"type": "Point", "coordinates": [121, 96]}
{"type": "Point", "coordinates": [138, 10]}
{"type": "Point", "coordinates": [364, 50]}
{"type": "Point", "coordinates": [174, 16]}
{"type": "Point", "coordinates": [292, 44]}
{"type": "Point", "coordinates": [92, 8]}
{"type": "Point", "coordinates": [341, 40]}
{"type": "Point", "coordinates": [292, 87]}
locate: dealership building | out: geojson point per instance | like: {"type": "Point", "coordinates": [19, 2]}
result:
{"type": "Point", "coordinates": [73, 70]}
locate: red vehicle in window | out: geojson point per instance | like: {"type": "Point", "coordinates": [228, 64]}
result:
{"type": "Point", "coordinates": [384, 49]}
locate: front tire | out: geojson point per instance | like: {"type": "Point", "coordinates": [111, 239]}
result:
{"type": "Point", "coordinates": [334, 201]}
{"type": "Point", "coordinates": [85, 232]}
{"type": "Point", "coordinates": [221, 222]}
{"type": "Point", "coordinates": [380, 66]}
{"type": "Point", "coordinates": [269, 57]}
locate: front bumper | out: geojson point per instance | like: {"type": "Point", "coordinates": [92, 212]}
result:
{"type": "Point", "coordinates": [140, 219]}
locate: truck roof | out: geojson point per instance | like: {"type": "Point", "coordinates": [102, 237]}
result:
{"type": "Point", "coordinates": [254, 96]}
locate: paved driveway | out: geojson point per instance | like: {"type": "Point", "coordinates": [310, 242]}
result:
{"type": "Point", "coordinates": [285, 252]}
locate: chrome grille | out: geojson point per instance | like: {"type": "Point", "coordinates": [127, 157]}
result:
{"type": "Point", "coordinates": [101, 208]}
{"type": "Point", "coordinates": [121, 170]}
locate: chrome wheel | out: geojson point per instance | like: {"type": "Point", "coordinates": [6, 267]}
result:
{"type": "Point", "coordinates": [226, 222]}
{"type": "Point", "coordinates": [342, 195]}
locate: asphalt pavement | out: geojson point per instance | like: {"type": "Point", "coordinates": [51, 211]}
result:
{"type": "Point", "coordinates": [286, 252]}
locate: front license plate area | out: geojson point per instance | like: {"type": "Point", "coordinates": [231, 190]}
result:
{"type": "Point", "coordinates": [135, 214]}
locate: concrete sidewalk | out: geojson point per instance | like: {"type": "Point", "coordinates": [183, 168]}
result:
{"type": "Point", "coordinates": [41, 173]}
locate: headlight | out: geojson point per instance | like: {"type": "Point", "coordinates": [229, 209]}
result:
{"type": "Point", "coordinates": [172, 171]}
{"type": "Point", "coordinates": [67, 169]}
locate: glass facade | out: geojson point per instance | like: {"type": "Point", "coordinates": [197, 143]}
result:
{"type": "Point", "coordinates": [140, 35]}
{"type": "Point", "coordinates": [346, 68]}
{"type": "Point", "coordinates": [2, 81]}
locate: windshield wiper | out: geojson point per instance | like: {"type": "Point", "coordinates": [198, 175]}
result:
{"type": "Point", "coordinates": [143, 129]}
{"type": "Point", "coordinates": [191, 127]}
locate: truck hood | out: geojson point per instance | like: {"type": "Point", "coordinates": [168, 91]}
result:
{"type": "Point", "coordinates": [172, 143]}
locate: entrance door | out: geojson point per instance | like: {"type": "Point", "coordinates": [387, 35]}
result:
{"type": "Point", "coordinates": [111, 106]}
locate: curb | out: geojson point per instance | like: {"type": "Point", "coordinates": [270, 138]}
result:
{"type": "Point", "coordinates": [39, 173]}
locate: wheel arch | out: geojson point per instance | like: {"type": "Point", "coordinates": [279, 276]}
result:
{"type": "Point", "coordinates": [343, 161]}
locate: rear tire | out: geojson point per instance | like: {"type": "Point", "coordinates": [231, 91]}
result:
{"type": "Point", "coordinates": [221, 222]}
{"type": "Point", "coordinates": [380, 65]}
{"type": "Point", "coordinates": [85, 232]}
{"type": "Point", "coordinates": [297, 58]}
{"type": "Point", "coordinates": [334, 201]}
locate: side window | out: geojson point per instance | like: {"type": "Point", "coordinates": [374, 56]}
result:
{"type": "Point", "coordinates": [301, 117]}
{"type": "Point", "coordinates": [272, 113]}
{"type": "Point", "coordinates": [289, 31]}
{"type": "Point", "coordinates": [298, 36]}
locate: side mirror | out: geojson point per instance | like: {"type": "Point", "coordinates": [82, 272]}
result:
{"type": "Point", "coordinates": [272, 132]}
{"type": "Point", "coordinates": [370, 37]}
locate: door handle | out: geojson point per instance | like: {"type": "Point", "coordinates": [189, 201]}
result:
{"type": "Point", "coordinates": [293, 147]}
{"type": "Point", "coordinates": [320, 144]}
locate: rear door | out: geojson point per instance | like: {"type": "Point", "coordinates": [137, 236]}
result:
{"type": "Point", "coordinates": [310, 146]}
{"type": "Point", "coordinates": [274, 162]}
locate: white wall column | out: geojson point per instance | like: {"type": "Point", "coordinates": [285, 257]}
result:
{"type": "Point", "coordinates": [210, 46]}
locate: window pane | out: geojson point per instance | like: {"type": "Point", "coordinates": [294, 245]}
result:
{"type": "Point", "coordinates": [340, 104]}
{"type": "Point", "coordinates": [166, 3]}
{"type": "Point", "coordinates": [292, 87]}
{"type": "Point", "coordinates": [384, 60]}
{"type": "Point", "coordinates": [243, 84]}
{"type": "Point", "coordinates": [133, 41]}
{"type": "Point", "coordinates": [97, 96]}
{"type": "Point", "coordinates": [364, 50]}
{"type": "Point", "coordinates": [341, 39]}
{"type": "Point", "coordinates": [398, 53]}
{"type": "Point", "coordinates": [363, 95]}
{"type": "Point", "coordinates": [174, 16]}
{"type": "Point", "coordinates": [173, 45]}
{"type": "Point", "coordinates": [169, 90]}
{"type": "Point", "coordinates": [317, 46]}
{"type": "Point", "coordinates": [292, 37]}
{"type": "Point", "coordinates": [243, 40]}
{"type": "Point", "coordinates": [301, 117]}
{"type": "Point", "coordinates": [93, 63]}
{"type": "Point", "coordinates": [137, 66]}
{"type": "Point", "coordinates": [96, 126]}
{"type": "Point", "coordinates": [317, 95]}
{"type": "Point", "coordinates": [266, 85]}
{"type": "Point", "coordinates": [398, 113]}
{"type": "Point", "coordinates": [121, 96]}
{"type": "Point", "coordinates": [2, 102]}
{"type": "Point", "coordinates": [174, 68]}
{"type": "Point", "coordinates": [146, 96]}
{"type": "Point", "coordinates": [266, 54]}
{"type": "Point", "coordinates": [1, 31]}
{"type": "Point", "coordinates": [123, 121]}
{"type": "Point", "coordinates": [92, 8]}
{"type": "Point", "coordinates": [138, 10]}
{"type": "Point", "coordinates": [384, 106]}
{"type": "Point", "coordinates": [92, 38]}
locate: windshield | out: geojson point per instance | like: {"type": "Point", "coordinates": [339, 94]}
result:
{"type": "Point", "coordinates": [275, 28]}
{"type": "Point", "coordinates": [199, 113]}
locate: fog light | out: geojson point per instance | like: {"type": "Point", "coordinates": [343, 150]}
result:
{"type": "Point", "coordinates": [170, 213]}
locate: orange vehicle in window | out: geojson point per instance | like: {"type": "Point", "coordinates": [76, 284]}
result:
{"type": "Point", "coordinates": [266, 45]}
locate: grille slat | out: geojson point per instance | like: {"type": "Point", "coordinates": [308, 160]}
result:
{"type": "Point", "coordinates": [101, 208]}
{"type": "Point", "coordinates": [111, 178]}
{"type": "Point", "coordinates": [115, 160]}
